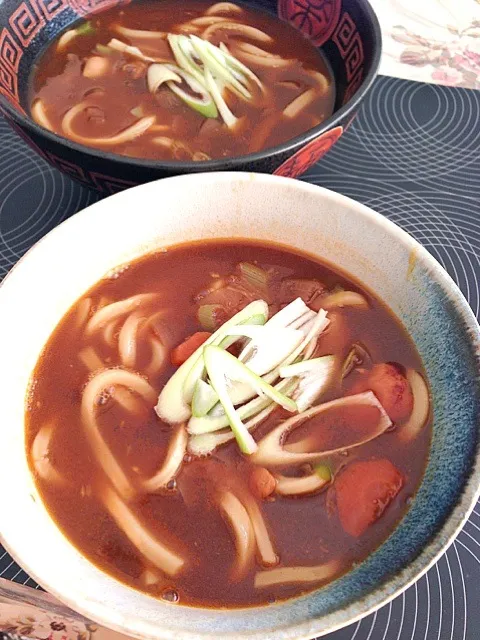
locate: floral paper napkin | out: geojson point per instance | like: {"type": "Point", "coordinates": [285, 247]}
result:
{"type": "Point", "coordinates": [431, 40]}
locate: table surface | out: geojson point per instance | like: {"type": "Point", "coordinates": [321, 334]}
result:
{"type": "Point", "coordinates": [413, 155]}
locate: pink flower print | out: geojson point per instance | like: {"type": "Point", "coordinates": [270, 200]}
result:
{"type": "Point", "coordinates": [448, 76]}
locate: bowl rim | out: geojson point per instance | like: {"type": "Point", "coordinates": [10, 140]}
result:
{"type": "Point", "coordinates": [441, 540]}
{"type": "Point", "coordinates": [232, 162]}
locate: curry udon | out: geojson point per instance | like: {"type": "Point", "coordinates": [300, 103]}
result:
{"type": "Point", "coordinates": [181, 81]}
{"type": "Point", "coordinates": [227, 423]}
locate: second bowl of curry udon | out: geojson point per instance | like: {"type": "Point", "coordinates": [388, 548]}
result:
{"type": "Point", "coordinates": [169, 87]}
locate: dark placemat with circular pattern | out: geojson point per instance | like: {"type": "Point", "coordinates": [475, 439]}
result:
{"type": "Point", "coordinates": [413, 154]}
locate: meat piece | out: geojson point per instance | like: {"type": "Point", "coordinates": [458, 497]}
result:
{"type": "Point", "coordinates": [135, 69]}
{"type": "Point", "coordinates": [307, 290]}
{"type": "Point", "coordinates": [391, 388]}
{"type": "Point", "coordinates": [336, 338]}
{"type": "Point", "coordinates": [364, 489]}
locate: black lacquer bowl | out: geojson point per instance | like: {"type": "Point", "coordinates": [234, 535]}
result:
{"type": "Point", "coordinates": [346, 30]}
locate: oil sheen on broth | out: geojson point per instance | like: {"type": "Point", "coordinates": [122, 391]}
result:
{"type": "Point", "coordinates": [186, 508]}
{"type": "Point", "coordinates": [181, 81]}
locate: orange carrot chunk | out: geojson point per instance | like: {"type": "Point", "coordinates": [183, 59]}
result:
{"type": "Point", "coordinates": [363, 491]}
{"type": "Point", "coordinates": [183, 351]}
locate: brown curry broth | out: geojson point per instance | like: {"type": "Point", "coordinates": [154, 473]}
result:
{"type": "Point", "coordinates": [305, 530]}
{"type": "Point", "coordinates": [59, 82]}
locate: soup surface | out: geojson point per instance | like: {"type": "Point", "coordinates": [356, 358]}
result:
{"type": "Point", "coordinates": [181, 81]}
{"type": "Point", "coordinates": [227, 507]}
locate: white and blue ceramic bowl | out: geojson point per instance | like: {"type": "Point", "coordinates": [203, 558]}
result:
{"type": "Point", "coordinates": [80, 251]}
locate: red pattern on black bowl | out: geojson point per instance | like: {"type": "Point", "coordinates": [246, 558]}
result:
{"type": "Point", "coordinates": [306, 157]}
{"type": "Point", "coordinates": [317, 19]}
{"type": "Point", "coordinates": [347, 30]}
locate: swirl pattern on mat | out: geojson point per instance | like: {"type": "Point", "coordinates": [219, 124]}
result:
{"type": "Point", "coordinates": [413, 155]}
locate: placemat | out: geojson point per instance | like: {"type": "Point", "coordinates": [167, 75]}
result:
{"type": "Point", "coordinates": [413, 154]}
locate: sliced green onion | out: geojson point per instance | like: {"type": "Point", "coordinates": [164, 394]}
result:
{"type": "Point", "coordinates": [211, 423]}
{"type": "Point", "coordinates": [173, 401]}
{"type": "Point", "coordinates": [182, 50]}
{"type": "Point", "coordinates": [215, 61]}
{"type": "Point", "coordinates": [157, 74]}
{"type": "Point", "coordinates": [223, 57]}
{"type": "Point", "coordinates": [296, 309]}
{"type": "Point", "coordinates": [85, 29]}
{"type": "Point", "coordinates": [315, 377]}
{"type": "Point", "coordinates": [204, 399]}
{"type": "Point", "coordinates": [103, 49]}
{"type": "Point", "coordinates": [236, 370]}
{"type": "Point", "coordinates": [137, 112]}
{"type": "Point", "coordinates": [216, 360]}
{"type": "Point", "coordinates": [356, 356]}
{"type": "Point", "coordinates": [323, 472]}
{"type": "Point", "coordinates": [227, 116]}
{"type": "Point", "coordinates": [306, 366]}
{"type": "Point", "coordinates": [291, 486]}
{"type": "Point", "coordinates": [206, 315]}
{"type": "Point", "coordinates": [135, 52]}
{"type": "Point", "coordinates": [272, 450]}
{"type": "Point", "coordinates": [204, 103]}
{"type": "Point", "coordinates": [206, 443]}
{"type": "Point", "coordinates": [236, 65]}
{"type": "Point", "coordinates": [255, 276]}
{"type": "Point", "coordinates": [255, 310]}
{"type": "Point", "coordinates": [270, 346]}
{"type": "Point", "coordinates": [222, 366]}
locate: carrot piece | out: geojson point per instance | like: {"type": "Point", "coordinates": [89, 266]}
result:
{"type": "Point", "coordinates": [184, 350]}
{"type": "Point", "coordinates": [364, 490]}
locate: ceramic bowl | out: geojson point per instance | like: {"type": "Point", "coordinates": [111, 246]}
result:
{"type": "Point", "coordinates": [75, 255]}
{"type": "Point", "coordinates": [346, 30]}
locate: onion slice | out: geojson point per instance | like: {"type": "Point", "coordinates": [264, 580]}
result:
{"type": "Point", "coordinates": [270, 346]}
{"type": "Point", "coordinates": [227, 116]}
{"type": "Point", "coordinates": [149, 547]}
{"type": "Point", "coordinates": [344, 299]}
{"type": "Point", "coordinates": [173, 401]}
{"type": "Point", "coordinates": [222, 366]}
{"type": "Point", "coordinates": [421, 407]}
{"type": "Point", "coordinates": [210, 423]}
{"type": "Point", "coordinates": [300, 486]}
{"type": "Point", "coordinates": [157, 74]}
{"type": "Point", "coordinates": [173, 462]}
{"type": "Point", "coordinates": [294, 575]}
{"type": "Point", "coordinates": [315, 376]}
{"type": "Point", "coordinates": [135, 52]}
{"type": "Point", "coordinates": [41, 457]}
{"type": "Point", "coordinates": [205, 443]}
{"type": "Point", "coordinates": [272, 452]}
